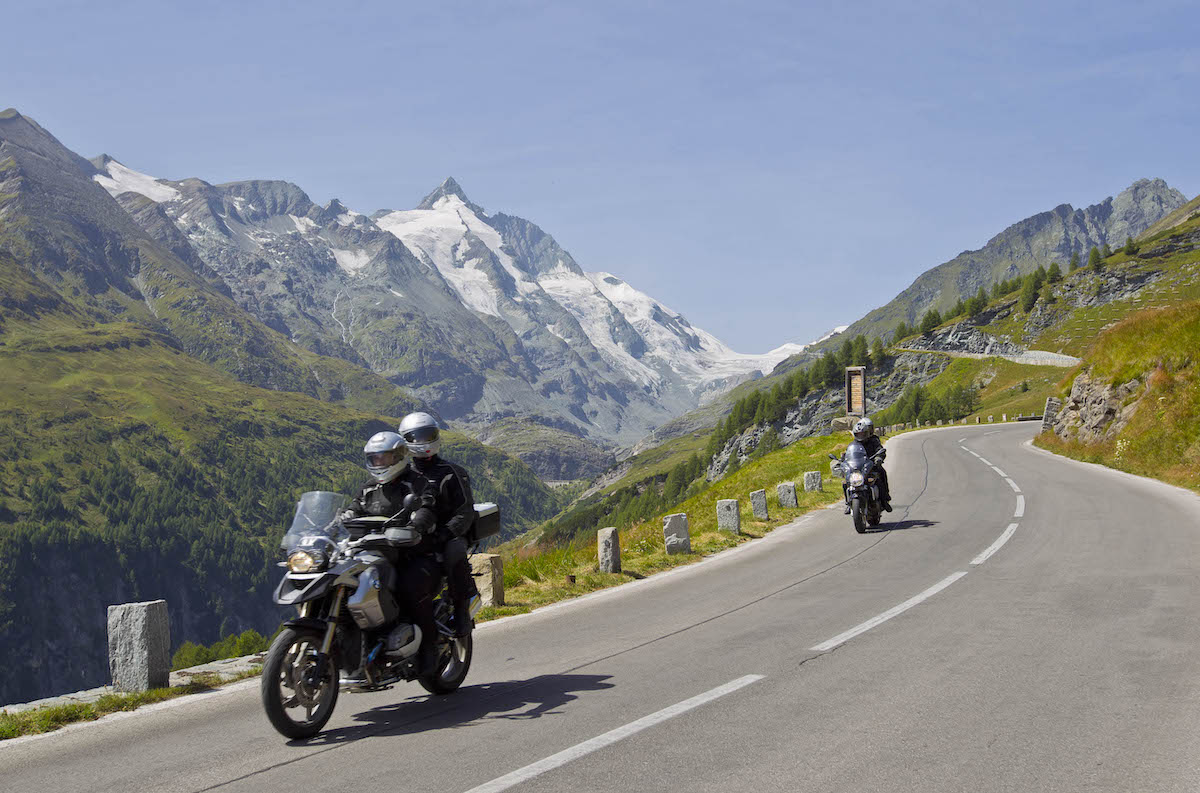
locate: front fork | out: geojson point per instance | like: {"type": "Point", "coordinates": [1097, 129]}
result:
{"type": "Point", "coordinates": [330, 629]}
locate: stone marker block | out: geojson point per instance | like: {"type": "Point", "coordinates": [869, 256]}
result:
{"type": "Point", "coordinates": [1004, 417]}
{"type": "Point", "coordinates": [977, 419]}
{"type": "Point", "coordinates": [729, 517]}
{"type": "Point", "coordinates": [1050, 412]}
{"type": "Point", "coordinates": [989, 419]}
{"type": "Point", "coordinates": [488, 569]}
{"type": "Point", "coordinates": [675, 533]}
{"type": "Point", "coordinates": [939, 422]}
{"type": "Point", "coordinates": [608, 550]}
{"type": "Point", "coordinates": [139, 645]}
{"type": "Point", "coordinates": [758, 504]}
{"type": "Point", "coordinates": [812, 481]}
{"type": "Point", "coordinates": [787, 494]}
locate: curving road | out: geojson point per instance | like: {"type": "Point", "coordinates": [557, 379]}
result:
{"type": "Point", "coordinates": [1022, 622]}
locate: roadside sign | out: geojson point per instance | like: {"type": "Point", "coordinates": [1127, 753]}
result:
{"type": "Point", "coordinates": [856, 390]}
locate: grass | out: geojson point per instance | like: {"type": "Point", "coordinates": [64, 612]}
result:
{"type": "Point", "coordinates": [48, 719]}
{"type": "Point", "coordinates": [536, 576]}
{"type": "Point", "coordinates": [1162, 439]}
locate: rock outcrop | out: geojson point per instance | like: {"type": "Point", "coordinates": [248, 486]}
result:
{"type": "Point", "coordinates": [1096, 410]}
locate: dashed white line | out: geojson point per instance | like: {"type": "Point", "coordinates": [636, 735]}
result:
{"type": "Point", "coordinates": [997, 545]}
{"type": "Point", "coordinates": [997, 470]}
{"type": "Point", "coordinates": [982, 460]}
{"type": "Point", "coordinates": [960, 440]}
{"type": "Point", "coordinates": [1020, 511]}
{"type": "Point", "coordinates": [1012, 484]}
{"type": "Point", "coordinates": [862, 628]}
{"type": "Point", "coordinates": [612, 736]}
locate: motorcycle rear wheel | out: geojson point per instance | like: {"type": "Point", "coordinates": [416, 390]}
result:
{"type": "Point", "coordinates": [291, 681]}
{"type": "Point", "coordinates": [454, 661]}
{"type": "Point", "coordinates": [856, 511]}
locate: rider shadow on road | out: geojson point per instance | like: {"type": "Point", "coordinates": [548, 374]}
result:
{"type": "Point", "coordinates": [510, 699]}
{"type": "Point", "coordinates": [901, 525]}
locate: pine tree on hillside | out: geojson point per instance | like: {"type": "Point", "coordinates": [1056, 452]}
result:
{"type": "Point", "coordinates": [859, 355]}
{"type": "Point", "coordinates": [1074, 265]}
{"type": "Point", "coordinates": [878, 353]}
{"type": "Point", "coordinates": [1130, 248]}
{"type": "Point", "coordinates": [902, 331]}
{"type": "Point", "coordinates": [1106, 251]}
{"type": "Point", "coordinates": [1094, 260]}
{"type": "Point", "coordinates": [1054, 274]}
{"type": "Point", "coordinates": [1029, 294]}
{"type": "Point", "coordinates": [930, 321]}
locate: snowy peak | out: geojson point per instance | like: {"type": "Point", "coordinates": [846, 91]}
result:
{"type": "Point", "coordinates": [446, 189]}
{"type": "Point", "coordinates": [117, 179]}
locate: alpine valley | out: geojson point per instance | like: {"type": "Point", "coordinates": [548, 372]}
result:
{"type": "Point", "coordinates": [179, 360]}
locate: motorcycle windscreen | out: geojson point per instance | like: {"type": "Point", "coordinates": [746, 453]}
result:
{"type": "Point", "coordinates": [317, 513]}
{"type": "Point", "coordinates": [856, 456]}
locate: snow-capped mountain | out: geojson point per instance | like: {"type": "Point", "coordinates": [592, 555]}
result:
{"type": "Point", "coordinates": [485, 316]}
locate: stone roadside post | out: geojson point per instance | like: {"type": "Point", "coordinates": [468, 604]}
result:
{"type": "Point", "coordinates": [812, 481]}
{"type": "Point", "coordinates": [758, 503]}
{"type": "Point", "coordinates": [1053, 405]}
{"type": "Point", "coordinates": [608, 550]}
{"type": "Point", "coordinates": [139, 645]}
{"type": "Point", "coordinates": [729, 516]}
{"type": "Point", "coordinates": [675, 533]}
{"type": "Point", "coordinates": [488, 569]}
{"type": "Point", "coordinates": [787, 494]}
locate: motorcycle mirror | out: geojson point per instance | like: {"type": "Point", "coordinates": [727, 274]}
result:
{"type": "Point", "coordinates": [410, 501]}
{"type": "Point", "coordinates": [831, 457]}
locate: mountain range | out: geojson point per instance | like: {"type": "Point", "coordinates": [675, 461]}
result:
{"type": "Point", "coordinates": [1036, 241]}
{"type": "Point", "coordinates": [484, 317]}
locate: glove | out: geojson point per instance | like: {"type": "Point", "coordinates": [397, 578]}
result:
{"type": "Point", "coordinates": [423, 520]}
{"type": "Point", "coordinates": [347, 515]}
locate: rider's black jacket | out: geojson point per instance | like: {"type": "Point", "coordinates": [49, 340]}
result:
{"type": "Point", "coordinates": [439, 486]}
{"type": "Point", "coordinates": [872, 445]}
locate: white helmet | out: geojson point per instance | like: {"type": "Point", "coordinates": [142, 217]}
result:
{"type": "Point", "coordinates": [863, 429]}
{"type": "Point", "coordinates": [420, 433]}
{"type": "Point", "coordinates": [386, 456]}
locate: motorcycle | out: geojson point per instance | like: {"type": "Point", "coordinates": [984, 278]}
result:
{"type": "Point", "coordinates": [349, 633]}
{"type": "Point", "coordinates": [860, 484]}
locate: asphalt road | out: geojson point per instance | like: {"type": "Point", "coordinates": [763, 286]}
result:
{"type": "Point", "coordinates": [814, 659]}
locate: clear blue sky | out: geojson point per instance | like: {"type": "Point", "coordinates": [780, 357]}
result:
{"type": "Point", "coordinates": [768, 169]}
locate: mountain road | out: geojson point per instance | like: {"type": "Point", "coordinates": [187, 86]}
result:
{"type": "Point", "coordinates": [1020, 621]}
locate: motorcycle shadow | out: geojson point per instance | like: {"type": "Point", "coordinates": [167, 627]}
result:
{"type": "Point", "coordinates": [544, 695]}
{"type": "Point", "coordinates": [901, 525]}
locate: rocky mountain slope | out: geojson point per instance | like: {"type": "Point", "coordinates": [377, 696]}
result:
{"type": "Point", "coordinates": [484, 316]}
{"type": "Point", "coordinates": [154, 435]}
{"type": "Point", "coordinates": [1024, 246]}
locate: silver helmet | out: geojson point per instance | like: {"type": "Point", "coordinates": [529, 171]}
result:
{"type": "Point", "coordinates": [386, 456]}
{"type": "Point", "coordinates": [420, 433]}
{"type": "Point", "coordinates": [863, 429]}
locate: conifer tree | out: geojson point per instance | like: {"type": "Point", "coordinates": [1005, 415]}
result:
{"type": "Point", "coordinates": [1074, 265]}
{"type": "Point", "coordinates": [1094, 260]}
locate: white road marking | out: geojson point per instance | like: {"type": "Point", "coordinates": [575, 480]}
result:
{"type": "Point", "coordinates": [982, 460]}
{"type": "Point", "coordinates": [612, 736]}
{"type": "Point", "coordinates": [965, 449]}
{"type": "Point", "coordinates": [997, 545]}
{"type": "Point", "coordinates": [842, 638]}
{"type": "Point", "coordinates": [1020, 513]}
{"type": "Point", "coordinates": [997, 470]}
{"type": "Point", "coordinates": [993, 432]}
{"type": "Point", "coordinates": [960, 440]}
{"type": "Point", "coordinates": [1012, 484]}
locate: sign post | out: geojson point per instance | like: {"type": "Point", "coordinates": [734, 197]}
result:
{"type": "Point", "coordinates": [856, 391]}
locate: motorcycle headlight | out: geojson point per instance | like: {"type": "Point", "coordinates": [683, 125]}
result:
{"type": "Point", "coordinates": [305, 562]}
{"type": "Point", "coordinates": [856, 478]}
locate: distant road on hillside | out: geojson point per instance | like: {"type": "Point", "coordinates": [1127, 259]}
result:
{"type": "Point", "coordinates": [1020, 622]}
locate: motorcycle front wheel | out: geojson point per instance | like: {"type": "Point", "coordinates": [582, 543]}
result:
{"type": "Point", "coordinates": [297, 696]}
{"type": "Point", "coordinates": [856, 511]}
{"type": "Point", "coordinates": [454, 661]}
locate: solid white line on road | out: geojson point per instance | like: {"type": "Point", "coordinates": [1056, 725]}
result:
{"type": "Point", "coordinates": [1020, 513]}
{"type": "Point", "coordinates": [997, 545]}
{"type": "Point", "coordinates": [1012, 484]}
{"type": "Point", "coordinates": [842, 638]}
{"type": "Point", "coordinates": [997, 470]}
{"type": "Point", "coordinates": [982, 460]}
{"type": "Point", "coordinates": [611, 737]}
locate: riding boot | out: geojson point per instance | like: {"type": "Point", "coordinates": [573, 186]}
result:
{"type": "Point", "coordinates": [846, 511]}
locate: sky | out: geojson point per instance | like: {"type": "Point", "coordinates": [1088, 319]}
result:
{"type": "Point", "coordinates": [770, 170]}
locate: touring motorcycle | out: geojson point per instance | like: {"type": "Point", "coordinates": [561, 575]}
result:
{"type": "Point", "coordinates": [349, 632]}
{"type": "Point", "coordinates": [860, 484]}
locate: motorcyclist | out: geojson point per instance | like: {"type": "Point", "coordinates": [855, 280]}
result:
{"type": "Point", "coordinates": [392, 482]}
{"type": "Point", "coordinates": [864, 433]}
{"type": "Point", "coordinates": [447, 488]}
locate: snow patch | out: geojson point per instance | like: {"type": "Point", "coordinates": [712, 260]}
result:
{"type": "Point", "coordinates": [126, 180]}
{"type": "Point", "coordinates": [350, 261]}
{"type": "Point", "coordinates": [397, 294]}
{"type": "Point", "coordinates": [348, 218]}
{"type": "Point", "coordinates": [831, 334]}
{"type": "Point", "coordinates": [303, 225]}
